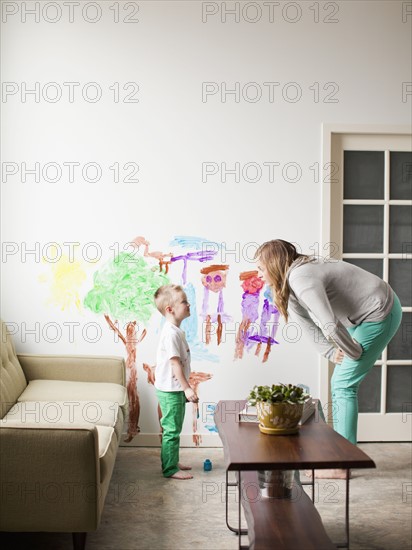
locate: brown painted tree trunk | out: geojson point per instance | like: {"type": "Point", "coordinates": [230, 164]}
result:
{"type": "Point", "coordinates": [130, 341]}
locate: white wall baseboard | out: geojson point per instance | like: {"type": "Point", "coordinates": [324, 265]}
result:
{"type": "Point", "coordinates": [186, 440]}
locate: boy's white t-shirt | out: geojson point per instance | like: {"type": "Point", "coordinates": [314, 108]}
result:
{"type": "Point", "coordinates": [172, 343]}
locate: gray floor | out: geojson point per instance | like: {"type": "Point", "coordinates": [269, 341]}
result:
{"type": "Point", "coordinates": [145, 511]}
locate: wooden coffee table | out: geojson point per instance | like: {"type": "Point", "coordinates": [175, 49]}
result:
{"type": "Point", "coordinates": [283, 523]}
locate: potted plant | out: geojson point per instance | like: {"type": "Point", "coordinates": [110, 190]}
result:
{"type": "Point", "coordinates": [279, 407]}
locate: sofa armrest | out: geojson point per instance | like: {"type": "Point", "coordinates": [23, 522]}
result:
{"type": "Point", "coordinates": [50, 479]}
{"type": "Point", "coordinates": [78, 368]}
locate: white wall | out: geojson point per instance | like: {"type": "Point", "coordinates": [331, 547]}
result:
{"type": "Point", "coordinates": [170, 133]}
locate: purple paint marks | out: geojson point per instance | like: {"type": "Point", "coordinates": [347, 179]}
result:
{"type": "Point", "coordinates": [249, 333]}
{"type": "Point", "coordinates": [199, 256]}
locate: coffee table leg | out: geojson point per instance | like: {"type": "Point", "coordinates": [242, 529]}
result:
{"type": "Point", "coordinates": [231, 484]}
{"type": "Point", "coordinates": [347, 507]}
{"type": "Point", "coordinates": [240, 510]}
{"type": "Point", "coordinates": [313, 485]}
{"type": "Point", "coordinates": [346, 543]}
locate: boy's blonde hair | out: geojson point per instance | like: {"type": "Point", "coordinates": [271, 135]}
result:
{"type": "Point", "coordinates": [166, 296]}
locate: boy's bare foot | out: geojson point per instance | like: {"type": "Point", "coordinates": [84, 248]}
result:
{"type": "Point", "coordinates": [328, 474]}
{"type": "Point", "coordinates": [183, 467]}
{"type": "Point", "coordinates": [181, 475]}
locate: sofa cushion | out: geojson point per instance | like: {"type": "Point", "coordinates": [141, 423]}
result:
{"type": "Point", "coordinates": [78, 413]}
{"type": "Point", "coordinates": [105, 434]}
{"type": "Point", "coordinates": [65, 390]}
{"type": "Point", "coordinates": [12, 379]}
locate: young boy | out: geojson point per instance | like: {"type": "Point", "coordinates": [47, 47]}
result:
{"type": "Point", "coordinates": [172, 375]}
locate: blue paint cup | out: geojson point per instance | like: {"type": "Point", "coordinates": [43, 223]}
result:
{"type": "Point", "coordinates": [207, 465]}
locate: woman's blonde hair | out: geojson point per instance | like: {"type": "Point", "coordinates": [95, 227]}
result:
{"type": "Point", "coordinates": [277, 256]}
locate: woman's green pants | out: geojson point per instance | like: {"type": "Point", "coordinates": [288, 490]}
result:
{"type": "Point", "coordinates": [172, 405]}
{"type": "Point", "coordinates": [373, 337]}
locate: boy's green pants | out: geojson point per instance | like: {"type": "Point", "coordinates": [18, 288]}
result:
{"type": "Point", "coordinates": [172, 405]}
{"type": "Point", "coordinates": [373, 337]}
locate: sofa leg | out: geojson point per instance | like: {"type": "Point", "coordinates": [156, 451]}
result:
{"type": "Point", "coordinates": [79, 541]}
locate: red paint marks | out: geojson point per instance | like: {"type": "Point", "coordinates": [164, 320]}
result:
{"type": "Point", "coordinates": [252, 283]}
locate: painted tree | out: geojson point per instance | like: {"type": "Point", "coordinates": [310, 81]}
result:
{"type": "Point", "coordinates": [123, 292]}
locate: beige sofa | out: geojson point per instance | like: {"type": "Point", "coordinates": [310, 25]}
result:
{"type": "Point", "coordinates": [61, 422]}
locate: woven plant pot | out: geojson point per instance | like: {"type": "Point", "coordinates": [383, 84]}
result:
{"type": "Point", "coordinates": [279, 418]}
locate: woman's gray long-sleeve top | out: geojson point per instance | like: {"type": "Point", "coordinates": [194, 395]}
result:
{"type": "Point", "coordinates": [338, 295]}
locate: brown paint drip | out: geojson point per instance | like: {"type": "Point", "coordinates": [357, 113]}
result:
{"type": "Point", "coordinates": [194, 422]}
{"type": "Point", "coordinates": [258, 348]}
{"type": "Point", "coordinates": [240, 344]}
{"type": "Point", "coordinates": [208, 329]}
{"type": "Point", "coordinates": [219, 329]}
{"type": "Point", "coordinates": [130, 341]}
{"type": "Point", "coordinates": [195, 379]}
{"type": "Point", "coordinates": [266, 354]}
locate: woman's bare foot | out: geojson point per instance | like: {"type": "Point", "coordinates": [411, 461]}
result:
{"type": "Point", "coordinates": [181, 475]}
{"type": "Point", "coordinates": [328, 474]}
{"type": "Point", "coordinates": [183, 467]}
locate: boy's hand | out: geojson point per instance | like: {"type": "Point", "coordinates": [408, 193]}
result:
{"type": "Point", "coordinates": [338, 357]}
{"type": "Point", "coordinates": [191, 395]}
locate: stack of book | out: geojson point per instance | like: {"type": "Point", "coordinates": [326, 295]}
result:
{"type": "Point", "coordinates": [249, 413]}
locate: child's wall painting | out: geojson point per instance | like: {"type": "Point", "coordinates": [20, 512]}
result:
{"type": "Point", "coordinates": [122, 294]}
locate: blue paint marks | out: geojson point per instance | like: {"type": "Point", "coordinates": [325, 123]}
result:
{"type": "Point", "coordinates": [190, 326]}
{"type": "Point", "coordinates": [210, 421]}
{"type": "Point", "coordinates": [198, 243]}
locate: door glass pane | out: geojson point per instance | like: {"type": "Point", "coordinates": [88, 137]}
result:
{"type": "Point", "coordinates": [399, 388]}
{"type": "Point", "coordinates": [362, 228]}
{"type": "Point", "coordinates": [401, 175]}
{"type": "Point", "coordinates": [400, 279]}
{"type": "Point", "coordinates": [400, 229]}
{"type": "Point", "coordinates": [371, 265]}
{"type": "Point", "coordinates": [400, 345]}
{"type": "Point", "coordinates": [363, 175]}
{"type": "Point", "coordinates": [369, 396]}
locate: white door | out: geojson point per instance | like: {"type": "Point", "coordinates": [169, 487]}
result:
{"type": "Point", "coordinates": [367, 213]}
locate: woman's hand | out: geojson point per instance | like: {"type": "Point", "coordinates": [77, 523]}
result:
{"type": "Point", "coordinates": [338, 357]}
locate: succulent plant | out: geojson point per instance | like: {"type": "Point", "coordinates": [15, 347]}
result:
{"type": "Point", "coordinates": [277, 393]}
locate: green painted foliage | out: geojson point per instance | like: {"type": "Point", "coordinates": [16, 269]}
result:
{"type": "Point", "coordinates": [124, 288]}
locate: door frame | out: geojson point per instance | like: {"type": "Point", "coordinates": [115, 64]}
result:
{"type": "Point", "coordinates": [329, 130]}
